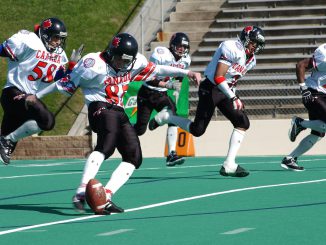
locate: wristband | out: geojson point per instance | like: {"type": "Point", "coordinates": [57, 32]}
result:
{"type": "Point", "coordinates": [219, 79]}
{"type": "Point", "coordinates": [71, 65]}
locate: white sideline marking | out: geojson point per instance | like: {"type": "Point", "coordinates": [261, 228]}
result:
{"type": "Point", "coordinates": [162, 204]}
{"type": "Point", "coordinates": [40, 163]}
{"type": "Point", "coordinates": [40, 175]}
{"type": "Point", "coordinates": [176, 173]}
{"type": "Point", "coordinates": [37, 175]}
{"type": "Point", "coordinates": [114, 232]}
{"type": "Point", "coordinates": [45, 165]}
{"type": "Point", "coordinates": [237, 231]}
{"type": "Point", "coordinates": [35, 231]}
{"type": "Point", "coordinates": [100, 172]}
{"type": "Point", "coordinates": [144, 169]}
{"type": "Point", "coordinates": [141, 169]}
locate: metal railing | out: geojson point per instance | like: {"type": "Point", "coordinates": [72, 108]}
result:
{"type": "Point", "coordinates": [149, 21]}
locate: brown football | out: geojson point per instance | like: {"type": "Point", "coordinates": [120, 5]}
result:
{"type": "Point", "coordinates": [95, 196]}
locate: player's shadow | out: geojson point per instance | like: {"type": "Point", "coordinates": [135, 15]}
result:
{"type": "Point", "coordinates": [62, 211]}
{"type": "Point", "coordinates": [222, 212]}
{"type": "Point", "coordinates": [160, 179]}
{"type": "Point", "coordinates": [307, 169]}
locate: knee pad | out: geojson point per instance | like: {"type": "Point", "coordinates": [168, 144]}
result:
{"type": "Point", "coordinates": [46, 123]}
{"type": "Point", "coordinates": [135, 160]}
{"type": "Point", "coordinates": [44, 118]}
{"type": "Point", "coordinates": [138, 162]}
{"type": "Point", "coordinates": [197, 130]}
{"type": "Point", "coordinates": [319, 134]}
{"type": "Point", "coordinates": [140, 130]}
{"type": "Point", "coordinates": [242, 122]}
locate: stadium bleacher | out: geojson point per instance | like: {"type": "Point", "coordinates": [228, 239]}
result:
{"type": "Point", "coordinates": [293, 30]}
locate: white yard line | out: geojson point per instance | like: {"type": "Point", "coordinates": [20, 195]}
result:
{"type": "Point", "coordinates": [237, 231]}
{"type": "Point", "coordinates": [110, 233]}
{"type": "Point", "coordinates": [144, 169]}
{"type": "Point", "coordinates": [163, 204]}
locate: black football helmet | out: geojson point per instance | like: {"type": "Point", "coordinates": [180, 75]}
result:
{"type": "Point", "coordinates": [253, 34]}
{"type": "Point", "coordinates": [179, 39]}
{"type": "Point", "coordinates": [124, 46]}
{"type": "Point", "coordinates": [52, 27]}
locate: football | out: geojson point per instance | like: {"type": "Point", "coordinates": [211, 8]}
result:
{"type": "Point", "coordinates": [95, 196]}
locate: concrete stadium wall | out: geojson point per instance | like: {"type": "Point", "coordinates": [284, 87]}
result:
{"type": "Point", "coordinates": [265, 137]}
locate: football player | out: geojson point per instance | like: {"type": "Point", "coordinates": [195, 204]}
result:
{"type": "Point", "coordinates": [151, 97]}
{"type": "Point", "coordinates": [232, 60]}
{"type": "Point", "coordinates": [35, 60]}
{"type": "Point", "coordinates": [313, 90]}
{"type": "Point", "coordinates": [104, 78]}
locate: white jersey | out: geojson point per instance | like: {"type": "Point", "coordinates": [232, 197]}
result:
{"type": "Point", "coordinates": [163, 56]}
{"type": "Point", "coordinates": [317, 79]}
{"type": "Point", "coordinates": [31, 67]}
{"type": "Point", "coordinates": [231, 53]}
{"type": "Point", "coordinates": [100, 82]}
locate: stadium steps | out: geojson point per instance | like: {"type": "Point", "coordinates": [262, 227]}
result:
{"type": "Point", "coordinates": [293, 30]}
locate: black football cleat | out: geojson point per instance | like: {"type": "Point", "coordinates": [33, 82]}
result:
{"type": "Point", "coordinates": [290, 163]}
{"type": "Point", "coordinates": [296, 128]}
{"type": "Point", "coordinates": [6, 148]}
{"type": "Point", "coordinates": [78, 202]}
{"type": "Point", "coordinates": [152, 125]}
{"type": "Point", "coordinates": [239, 172]}
{"type": "Point", "coordinates": [173, 159]}
{"type": "Point", "coordinates": [110, 208]}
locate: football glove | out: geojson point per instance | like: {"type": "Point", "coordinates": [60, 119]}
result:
{"type": "Point", "coordinates": [237, 103]}
{"type": "Point", "coordinates": [170, 85]}
{"type": "Point", "coordinates": [306, 95]}
{"type": "Point", "coordinates": [76, 55]}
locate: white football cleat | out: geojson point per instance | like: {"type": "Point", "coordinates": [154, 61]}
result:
{"type": "Point", "coordinates": [163, 116]}
{"type": "Point", "coordinates": [160, 119]}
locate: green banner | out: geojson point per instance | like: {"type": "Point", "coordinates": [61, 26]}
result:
{"type": "Point", "coordinates": [130, 100]}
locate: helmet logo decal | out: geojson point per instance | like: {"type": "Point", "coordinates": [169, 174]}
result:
{"type": "Point", "coordinates": [116, 41]}
{"type": "Point", "coordinates": [47, 24]}
{"type": "Point", "coordinates": [249, 29]}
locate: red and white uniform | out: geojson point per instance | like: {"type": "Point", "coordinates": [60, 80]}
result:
{"type": "Point", "coordinates": [231, 53]}
{"type": "Point", "coordinates": [163, 56]}
{"type": "Point", "coordinates": [317, 79]}
{"type": "Point", "coordinates": [31, 67]}
{"type": "Point", "coordinates": [100, 82]}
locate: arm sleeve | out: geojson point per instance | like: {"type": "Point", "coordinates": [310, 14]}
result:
{"type": "Point", "coordinates": [170, 71]}
{"type": "Point", "coordinates": [49, 89]}
{"type": "Point", "coordinates": [151, 71]}
{"type": "Point", "coordinates": [224, 87]}
{"type": "Point", "coordinates": [64, 86]}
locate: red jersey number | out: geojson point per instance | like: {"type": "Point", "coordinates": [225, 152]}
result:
{"type": "Point", "coordinates": [48, 77]}
{"type": "Point", "coordinates": [114, 93]}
